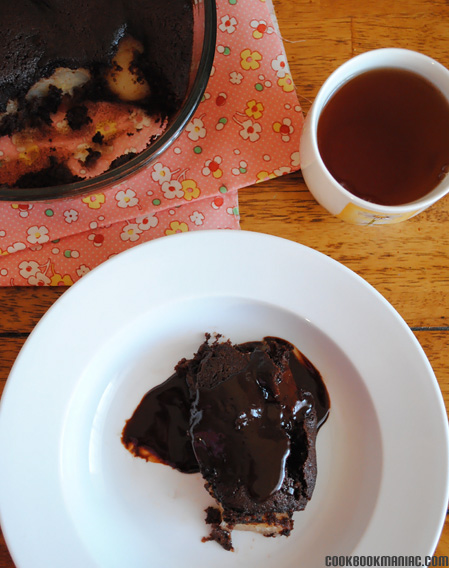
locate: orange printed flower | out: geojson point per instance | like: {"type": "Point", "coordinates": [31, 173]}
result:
{"type": "Point", "coordinates": [95, 200]}
{"type": "Point", "coordinates": [254, 109]}
{"type": "Point", "coordinates": [177, 227]}
{"type": "Point", "coordinates": [191, 190]}
{"type": "Point", "coordinates": [250, 59]}
{"type": "Point", "coordinates": [286, 83]}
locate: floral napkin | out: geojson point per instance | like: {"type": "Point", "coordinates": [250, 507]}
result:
{"type": "Point", "coordinates": [245, 130]}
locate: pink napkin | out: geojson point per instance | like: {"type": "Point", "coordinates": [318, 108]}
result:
{"type": "Point", "coordinates": [245, 130]}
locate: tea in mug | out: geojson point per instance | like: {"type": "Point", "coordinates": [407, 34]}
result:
{"type": "Point", "coordinates": [384, 136]}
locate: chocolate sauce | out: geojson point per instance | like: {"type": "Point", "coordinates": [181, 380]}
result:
{"type": "Point", "coordinates": [246, 427]}
{"type": "Point", "coordinates": [158, 429]}
{"type": "Point", "coordinates": [384, 136]}
{"type": "Point", "coordinates": [308, 378]}
{"type": "Point", "coordinates": [241, 428]}
{"type": "Point", "coordinates": [305, 374]}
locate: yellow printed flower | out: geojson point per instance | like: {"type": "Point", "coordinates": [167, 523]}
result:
{"type": "Point", "coordinates": [107, 129]}
{"type": "Point", "coordinates": [59, 280]}
{"type": "Point", "coordinates": [250, 59]}
{"type": "Point", "coordinates": [262, 176]}
{"type": "Point", "coordinates": [191, 190]}
{"type": "Point", "coordinates": [254, 109]}
{"type": "Point", "coordinates": [29, 154]}
{"type": "Point", "coordinates": [94, 201]}
{"type": "Point", "coordinates": [286, 83]}
{"type": "Point", "coordinates": [177, 227]}
{"type": "Point", "coordinates": [3, 252]}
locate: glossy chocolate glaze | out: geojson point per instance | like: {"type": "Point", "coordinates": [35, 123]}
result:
{"type": "Point", "coordinates": [247, 426]}
{"type": "Point", "coordinates": [158, 428]}
{"type": "Point", "coordinates": [241, 428]}
{"type": "Point", "coordinates": [305, 374]}
{"type": "Point", "coordinates": [37, 36]}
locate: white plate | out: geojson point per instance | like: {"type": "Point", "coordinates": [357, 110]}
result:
{"type": "Point", "coordinates": [72, 496]}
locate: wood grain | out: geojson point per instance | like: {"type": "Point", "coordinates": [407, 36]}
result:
{"type": "Point", "coordinates": [23, 306]}
{"type": "Point", "coordinates": [407, 263]}
{"type": "Point", "coordinates": [434, 344]}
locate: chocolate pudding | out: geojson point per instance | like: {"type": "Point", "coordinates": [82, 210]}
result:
{"type": "Point", "coordinates": [85, 87]}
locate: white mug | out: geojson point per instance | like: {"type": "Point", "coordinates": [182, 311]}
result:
{"type": "Point", "coordinates": [323, 186]}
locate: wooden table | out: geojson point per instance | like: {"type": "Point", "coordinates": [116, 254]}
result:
{"type": "Point", "coordinates": [408, 263]}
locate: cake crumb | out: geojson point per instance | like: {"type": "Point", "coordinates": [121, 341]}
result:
{"type": "Point", "coordinates": [217, 533]}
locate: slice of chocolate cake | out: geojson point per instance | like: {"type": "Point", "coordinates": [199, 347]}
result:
{"type": "Point", "coordinates": [253, 430]}
{"type": "Point", "coordinates": [246, 416]}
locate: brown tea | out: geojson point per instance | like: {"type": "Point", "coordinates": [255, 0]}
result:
{"type": "Point", "coordinates": [384, 136]}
